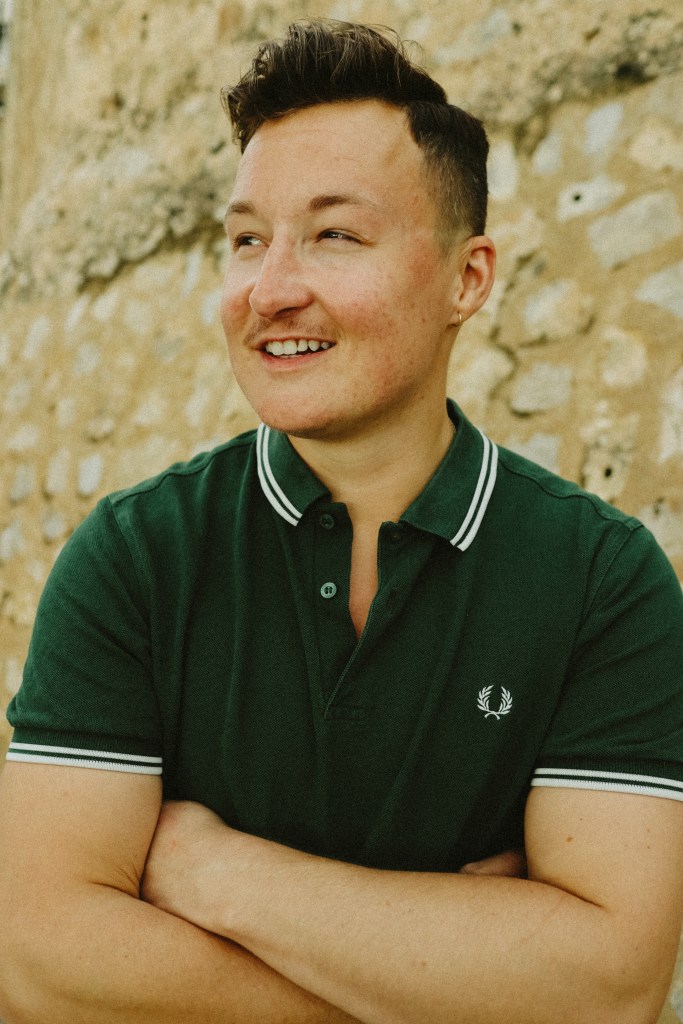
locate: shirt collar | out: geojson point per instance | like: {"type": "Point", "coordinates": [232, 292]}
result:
{"type": "Point", "coordinates": [454, 502]}
{"type": "Point", "coordinates": [452, 505]}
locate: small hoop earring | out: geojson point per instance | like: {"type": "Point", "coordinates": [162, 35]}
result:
{"type": "Point", "coordinates": [459, 319]}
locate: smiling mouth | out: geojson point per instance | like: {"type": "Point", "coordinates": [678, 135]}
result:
{"type": "Point", "coordinates": [295, 347]}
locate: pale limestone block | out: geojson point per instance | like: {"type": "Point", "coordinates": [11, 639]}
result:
{"type": "Point", "coordinates": [211, 304]}
{"type": "Point", "coordinates": [143, 460]}
{"type": "Point", "coordinates": [666, 523]}
{"type": "Point", "coordinates": [90, 470]}
{"type": "Point", "coordinates": [65, 412]}
{"type": "Point", "coordinates": [196, 406]}
{"type": "Point", "coordinates": [12, 541]}
{"type": "Point", "coordinates": [87, 359]}
{"type": "Point", "coordinates": [541, 448]}
{"type": "Point", "coordinates": [476, 378]}
{"type": "Point", "coordinates": [476, 39]}
{"type": "Point", "coordinates": [608, 461]}
{"type": "Point", "coordinates": [17, 396]}
{"type": "Point", "coordinates": [13, 675]}
{"type": "Point", "coordinates": [75, 314]}
{"type": "Point", "coordinates": [601, 127]}
{"type": "Point", "coordinates": [24, 483]}
{"type": "Point", "coordinates": [152, 410]}
{"type": "Point", "coordinates": [37, 335]}
{"type": "Point", "coordinates": [58, 473]}
{"type": "Point", "coordinates": [138, 316]}
{"type": "Point", "coordinates": [152, 276]}
{"type": "Point", "coordinates": [548, 155]}
{"type": "Point", "coordinates": [104, 307]}
{"type": "Point", "coordinates": [20, 609]}
{"type": "Point", "coordinates": [658, 147]}
{"type": "Point", "coordinates": [671, 436]}
{"type": "Point", "coordinates": [503, 173]}
{"type": "Point", "coordinates": [54, 526]}
{"type": "Point", "coordinates": [558, 310]}
{"type": "Point", "coordinates": [664, 289]}
{"type": "Point", "coordinates": [585, 197]}
{"type": "Point", "coordinates": [545, 386]}
{"type": "Point", "coordinates": [166, 347]}
{"type": "Point", "coordinates": [517, 242]}
{"type": "Point", "coordinates": [625, 360]}
{"type": "Point", "coordinates": [100, 427]}
{"type": "Point", "coordinates": [24, 439]}
{"type": "Point", "coordinates": [641, 226]}
{"type": "Point", "coordinates": [193, 269]}
{"type": "Point", "coordinates": [4, 350]}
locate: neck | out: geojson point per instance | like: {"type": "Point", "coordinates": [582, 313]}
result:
{"type": "Point", "coordinates": [378, 474]}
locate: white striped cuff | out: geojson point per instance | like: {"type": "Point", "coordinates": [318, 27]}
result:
{"type": "Point", "coordinates": [38, 753]}
{"type": "Point", "coordinates": [619, 782]}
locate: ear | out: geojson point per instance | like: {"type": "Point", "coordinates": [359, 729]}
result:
{"type": "Point", "coordinates": [475, 277]}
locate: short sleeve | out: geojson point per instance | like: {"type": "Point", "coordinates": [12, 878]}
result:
{"type": "Point", "coordinates": [619, 724]}
{"type": "Point", "coordinates": [87, 696]}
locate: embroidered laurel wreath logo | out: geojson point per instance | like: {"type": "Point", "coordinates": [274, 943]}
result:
{"type": "Point", "coordinates": [505, 702]}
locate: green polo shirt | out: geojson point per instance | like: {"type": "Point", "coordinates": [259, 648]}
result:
{"type": "Point", "coordinates": [523, 633]}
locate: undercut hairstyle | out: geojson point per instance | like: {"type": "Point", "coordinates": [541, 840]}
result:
{"type": "Point", "coordinates": [333, 61]}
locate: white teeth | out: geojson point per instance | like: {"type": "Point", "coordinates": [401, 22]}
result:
{"type": "Point", "coordinates": [292, 347]}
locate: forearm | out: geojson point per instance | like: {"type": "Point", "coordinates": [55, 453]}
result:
{"type": "Point", "coordinates": [103, 957]}
{"type": "Point", "coordinates": [401, 948]}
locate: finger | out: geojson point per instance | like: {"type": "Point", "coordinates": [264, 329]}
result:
{"type": "Point", "coordinates": [509, 864]}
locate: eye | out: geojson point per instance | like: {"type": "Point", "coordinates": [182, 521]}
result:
{"type": "Point", "coordinates": [337, 234]}
{"type": "Point", "coordinates": [245, 241]}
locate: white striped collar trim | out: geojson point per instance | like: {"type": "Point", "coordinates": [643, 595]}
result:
{"type": "Point", "coordinates": [271, 488]}
{"type": "Point", "coordinates": [482, 495]}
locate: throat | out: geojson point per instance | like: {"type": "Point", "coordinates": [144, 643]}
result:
{"type": "Point", "coordinates": [363, 583]}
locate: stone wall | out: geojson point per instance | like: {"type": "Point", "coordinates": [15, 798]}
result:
{"type": "Point", "coordinates": [116, 165]}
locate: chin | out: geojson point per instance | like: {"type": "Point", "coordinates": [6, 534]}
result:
{"type": "Point", "coordinates": [298, 423]}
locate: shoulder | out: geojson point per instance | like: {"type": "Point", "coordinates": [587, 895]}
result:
{"type": "Point", "coordinates": [540, 505]}
{"type": "Point", "coordinates": [554, 496]}
{"type": "Point", "coordinates": [552, 530]}
{"type": "Point", "coordinates": [177, 510]}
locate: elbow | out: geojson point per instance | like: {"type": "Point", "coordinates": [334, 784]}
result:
{"type": "Point", "coordinates": [635, 996]}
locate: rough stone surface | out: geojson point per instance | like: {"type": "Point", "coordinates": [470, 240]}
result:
{"type": "Point", "coordinates": [543, 387]}
{"type": "Point", "coordinates": [112, 363]}
{"type": "Point", "coordinates": [643, 225]}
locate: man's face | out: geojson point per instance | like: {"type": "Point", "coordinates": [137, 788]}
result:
{"type": "Point", "coordinates": [338, 303]}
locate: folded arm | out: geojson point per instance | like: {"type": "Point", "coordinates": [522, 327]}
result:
{"type": "Point", "coordinates": [78, 946]}
{"type": "Point", "coordinates": [589, 938]}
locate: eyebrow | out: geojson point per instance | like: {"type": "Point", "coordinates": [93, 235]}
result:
{"type": "Point", "coordinates": [324, 201]}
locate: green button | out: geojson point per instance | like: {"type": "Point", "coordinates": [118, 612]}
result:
{"type": "Point", "coordinates": [328, 590]}
{"type": "Point", "coordinates": [327, 521]}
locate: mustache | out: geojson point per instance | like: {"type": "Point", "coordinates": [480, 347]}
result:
{"type": "Point", "coordinates": [296, 327]}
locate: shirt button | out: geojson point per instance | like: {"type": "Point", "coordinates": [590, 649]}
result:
{"type": "Point", "coordinates": [327, 521]}
{"type": "Point", "coordinates": [328, 590]}
{"type": "Point", "coordinates": [396, 534]}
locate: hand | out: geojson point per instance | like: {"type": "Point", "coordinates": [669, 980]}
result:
{"type": "Point", "coordinates": [186, 861]}
{"type": "Point", "coordinates": [510, 864]}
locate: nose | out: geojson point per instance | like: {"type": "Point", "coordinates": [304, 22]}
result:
{"type": "Point", "coordinates": [280, 287]}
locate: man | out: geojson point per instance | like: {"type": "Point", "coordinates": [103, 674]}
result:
{"type": "Point", "coordinates": [371, 653]}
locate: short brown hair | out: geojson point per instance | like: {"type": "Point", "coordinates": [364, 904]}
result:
{"type": "Point", "coordinates": [334, 61]}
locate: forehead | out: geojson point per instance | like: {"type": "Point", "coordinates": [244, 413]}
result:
{"type": "Point", "coordinates": [363, 144]}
